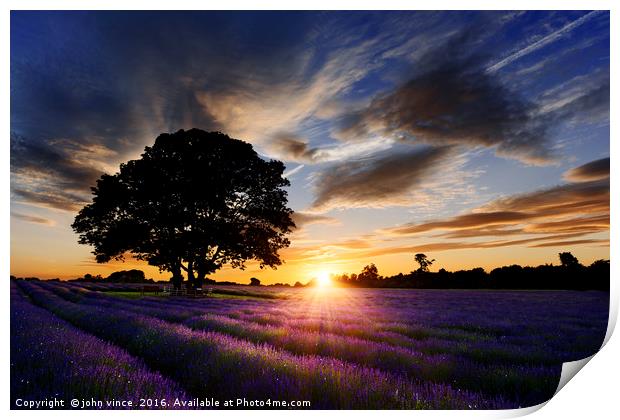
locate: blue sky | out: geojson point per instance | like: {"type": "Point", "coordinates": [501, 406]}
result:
{"type": "Point", "coordinates": [386, 121]}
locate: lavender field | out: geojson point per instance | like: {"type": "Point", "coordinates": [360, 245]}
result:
{"type": "Point", "coordinates": [337, 348]}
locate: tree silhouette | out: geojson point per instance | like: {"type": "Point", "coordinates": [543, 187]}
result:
{"type": "Point", "coordinates": [369, 274]}
{"type": "Point", "coordinates": [193, 202]}
{"type": "Point", "coordinates": [568, 260]}
{"type": "Point", "coordinates": [424, 262]}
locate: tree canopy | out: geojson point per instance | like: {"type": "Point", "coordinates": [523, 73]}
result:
{"type": "Point", "coordinates": [568, 260]}
{"type": "Point", "coordinates": [193, 202]}
{"type": "Point", "coordinates": [423, 261]}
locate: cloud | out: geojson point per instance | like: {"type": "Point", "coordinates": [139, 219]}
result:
{"type": "Point", "coordinates": [55, 174]}
{"type": "Point", "coordinates": [592, 171]}
{"type": "Point", "coordinates": [380, 181]}
{"type": "Point", "coordinates": [351, 244]}
{"type": "Point", "coordinates": [342, 252]}
{"type": "Point", "coordinates": [581, 208]}
{"type": "Point", "coordinates": [567, 199]}
{"type": "Point", "coordinates": [259, 109]}
{"type": "Point", "coordinates": [52, 161]}
{"type": "Point", "coordinates": [582, 99]}
{"type": "Point", "coordinates": [320, 250]}
{"type": "Point", "coordinates": [453, 100]}
{"type": "Point", "coordinates": [303, 219]}
{"type": "Point", "coordinates": [564, 211]}
{"type": "Point", "coordinates": [33, 219]}
{"type": "Point", "coordinates": [552, 37]}
{"type": "Point", "coordinates": [352, 254]}
{"type": "Point", "coordinates": [291, 172]}
{"type": "Point", "coordinates": [578, 225]}
{"type": "Point", "coordinates": [447, 246]}
{"type": "Point", "coordinates": [554, 62]}
{"type": "Point", "coordinates": [465, 221]}
{"type": "Point", "coordinates": [293, 149]}
{"type": "Point", "coordinates": [51, 198]}
{"type": "Point", "coordinates": [290, 148]}
{"type": "Point", "coordinates": [601, 242]}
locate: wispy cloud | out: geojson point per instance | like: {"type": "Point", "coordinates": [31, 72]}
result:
{"type": "Point", "coordinates": [543, 41]}
{"type": "Point", "coordinates": [294, 149]}
{"type": "Point", "coordinates": [33, 219]}
{"type": "Point", "coordinates": [302, 219]}
{"type": "Point", "coordinates": [571, 210]}
{"type": "Point", "coordinates": [55, 174]}
{"type": "Point", "coordinates": [581, 99]}
{"type": "Point", "coordinates": [293, 171]}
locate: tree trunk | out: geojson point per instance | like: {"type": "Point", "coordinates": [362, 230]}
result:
{"type": "Point", "coordinates": [177, 277]}
{"type": "Point", "coordinates": [191, 279]}
{"type": "Point", "coordinates": [199, 279]}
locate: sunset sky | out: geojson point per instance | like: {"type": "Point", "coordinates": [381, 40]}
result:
{"type": "Point", "coordinates": [478, 138]}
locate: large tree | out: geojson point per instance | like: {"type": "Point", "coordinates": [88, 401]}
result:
{"type": "Point", "coordinates": [193, 202]}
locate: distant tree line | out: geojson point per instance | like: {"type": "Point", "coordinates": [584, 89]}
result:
{"type": "Point", "coordinates": [123, 276]}
{"type": "Point", "coordinates": [569, 275]}
{"type": "Point", "coordinates": [138, 276]}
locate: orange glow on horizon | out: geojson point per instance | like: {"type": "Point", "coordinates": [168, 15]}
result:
{"type": "Point", "coordinates": [70, 262]}
{"type": "Point", "coordinates": [323, 280]}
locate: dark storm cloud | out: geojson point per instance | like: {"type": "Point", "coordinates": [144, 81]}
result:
{"type": "Point", "coordinates": [378, 181]}
{"type": "Point", "coordinates": [113, 81]}
{"type": "Point", "coordinates": [52, 163]}
{"type": "Point", "coordinates": [592, 171]}
{"type": "Point", "coordinates": [118, 78]}
{"type": "Point", "coordinates": [52, 175]}
{"type": "Point", "coordinates": [454, 100]}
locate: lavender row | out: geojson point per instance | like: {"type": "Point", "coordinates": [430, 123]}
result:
{"type": "Point", "coordinates": [494, 378]}
{"type": "Point", "coordinates": [52, 359]}
{"type": "Point", "coordinates": [534, 349]}
{"type": "Point", "coordinates": [214, 364]}
{"type": "Point", "coordinates": [527, 341]}
{"type": "Point", "coordinates": [524, 383]}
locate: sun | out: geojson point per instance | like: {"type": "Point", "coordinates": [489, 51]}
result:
{"type": "Point", "coordinates": [323, 279]}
